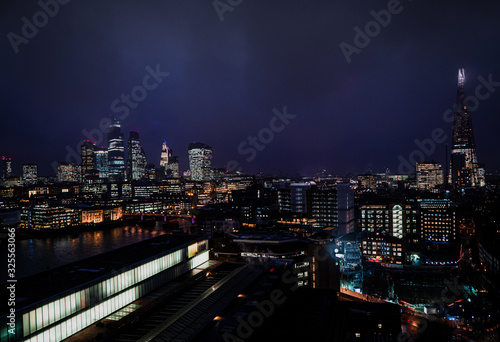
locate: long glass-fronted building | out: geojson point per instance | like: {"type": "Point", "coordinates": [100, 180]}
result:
{"type": "Point", "coordinates": [56, 304]}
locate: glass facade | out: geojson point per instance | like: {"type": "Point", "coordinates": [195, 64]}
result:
{"type": "Point", "coordinates": [101, 161]}
{"type": "Point", "coordinates": [67, 313]}
{"type": "Point", "coordinates": [116, 160]}
{"type": "Point", "coordinates": [200, 161]}
{"type": "Point", "coordinates": [136, 158]}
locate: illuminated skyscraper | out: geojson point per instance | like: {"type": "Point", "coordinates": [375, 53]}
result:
{"type": "Point", "coordinates": [299, 197]}
{"type": "Point", "coordinates": [465, 172]}
{"type": "Point", "coordinates": [166, 154]}
{"type": "Point", "coordinates": [88, 161]}
{"type": "Point", "coordinates": [116, 152]}
{"type": "Point", "coordinates": [200, 161]}
{"type": "Point", "coordinates": [101, 162]}
{"type": "Point", "coordinates": [30, 174]}
{"type": "Point", "coordinates": [136, 163]}
{"type": "Point", "coordinates": [169, 162]}
{"type": "Point", "coordinates": [6, 167]}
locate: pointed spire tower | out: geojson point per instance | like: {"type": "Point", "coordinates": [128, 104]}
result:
{"type": "Point", "coordinates": [465, 172]}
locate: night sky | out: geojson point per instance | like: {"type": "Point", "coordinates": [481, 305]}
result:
{"type": "Point", "coordinates": [226, 77]}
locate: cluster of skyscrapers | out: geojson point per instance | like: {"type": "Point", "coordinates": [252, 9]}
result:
{"type": "Point", "coordinates": [99, 163]}
{"type": "Point", "coordinates": [118, 162]}
{"type": "Point", "coordinates": [391, 237]}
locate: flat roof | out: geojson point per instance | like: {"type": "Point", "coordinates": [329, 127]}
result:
{"type": "Point", "coordinates": [44, 285]}
{"type": "Point", "coordinates": [261, 237]}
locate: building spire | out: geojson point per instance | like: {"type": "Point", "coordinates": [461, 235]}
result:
{"type": "Point", "coordinates": [465, 172]}
{"type": "Point", "coordinates": [461, 78]}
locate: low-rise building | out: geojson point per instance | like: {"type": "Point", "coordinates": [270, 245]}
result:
{"type": "Point", "coordinates": [45, 217]}
{"type": "Point", "coordinates": [383, 249]}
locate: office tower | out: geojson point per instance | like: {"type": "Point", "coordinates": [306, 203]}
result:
{"type": "Point", "coordinates": [398, 220]}
{"type": "Point", "coordinates": [322, 206]}
{"type": "Point", "coordinates": [136, 163]}
{"type": "Point", "coordinates": [200, 161]}
{"type": "Point", "coordinates": [150, 172]}
{"type": "Point", "coordinates": [345, 204]}
{"type": "Point", "coordinates": [116, 159]}
{"type": "Point", "coordinates": [438, 220]}
{"type": "Point", "coordinates": [298, 197]}
{"type": "Point", "coordinates": [332, 207]}
{"type": "Point", "coordinates": [68, 172]}
{"type": "Point", "coordinates": [169, 162]}
{"type": "Point", "coordinates": [429, 175]}
{"type": "Point", "coordinates": [6, 167]}
{"type": "Point", "coordinates": [166, 154]}
{"type": "Point", "coordinates": [101, 162]}
{"type": "Point", "coordinates": [172, 170]}
{"type": "Point", "coordinates": [88, 161]}
{"type": "Point", "coordinates": [284, 200]}
{"type": "Point", "coordinates": [465, 172]}
{"type": "Point", "coordinates": [30, 174]}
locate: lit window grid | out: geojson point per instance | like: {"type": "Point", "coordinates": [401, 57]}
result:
{"type": "Point", "coordinates": [45, 315]}
{"type": "Point", "coordinates": [87, 317]}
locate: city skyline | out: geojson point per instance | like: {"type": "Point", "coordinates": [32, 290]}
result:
{"type": "Point", "coordinates": [258, 170]}
{"type": "Point", "coordinates": [349, 115]}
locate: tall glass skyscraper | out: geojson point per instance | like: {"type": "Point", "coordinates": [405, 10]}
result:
{"type": "Point", "coordinates": [116, 158]}
{"type": "Point", "coordinates": [88, 160]}
{"type": "Point", "coordinates": [136, 163]}
{"type": "Point", "coordinates": [465, 172]}
{"type": "Point", "coordinates": [200, 161]}
{"type": "Point", "coordinates": [101, 162]}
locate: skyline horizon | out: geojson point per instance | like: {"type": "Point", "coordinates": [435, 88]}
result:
{"type": "Point", "coordinates": [354, 87]}
{"type": "Point", "coordinates": [104, 144]}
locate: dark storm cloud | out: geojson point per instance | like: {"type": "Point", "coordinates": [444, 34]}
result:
{"type": "Point", "coordinates": [226, 77]}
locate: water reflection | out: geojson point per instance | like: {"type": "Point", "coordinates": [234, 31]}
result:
{"type": "Point", "coordinates": [36, 255]}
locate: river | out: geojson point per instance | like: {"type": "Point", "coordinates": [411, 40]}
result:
{"type": "Point", "coordinates": [40, 254]}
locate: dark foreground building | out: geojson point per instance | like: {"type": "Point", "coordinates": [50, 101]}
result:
{"type": "Point", "coordinates": [53, 305]}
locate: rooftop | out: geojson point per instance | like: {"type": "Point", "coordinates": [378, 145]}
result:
{"type": "Point", "coordinates": [43, 285]}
